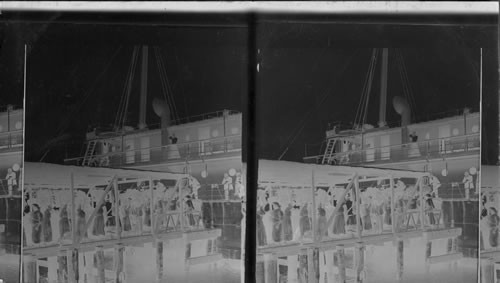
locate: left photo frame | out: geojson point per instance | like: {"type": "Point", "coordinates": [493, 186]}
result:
{"type": "Point", "coordinates": [134, 148]}
{"type": "Point", "coordinates": [12, 87]}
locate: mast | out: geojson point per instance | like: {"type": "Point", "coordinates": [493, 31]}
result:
{"type": "Point", "coordinates": [383, 88]}
{"type": "Point", "coordinates": [144, 88]}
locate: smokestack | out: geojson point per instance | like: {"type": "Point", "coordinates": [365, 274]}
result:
{"type": "Point", "coordinates": [402, 108]}
{"type": "Point", "coordinates": [161, 109]}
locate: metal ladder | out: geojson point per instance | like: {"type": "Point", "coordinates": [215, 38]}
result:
{"type": "Point", "coordinates": [87, 159]}
{"type": "Point", "coordinates": [327, 156]}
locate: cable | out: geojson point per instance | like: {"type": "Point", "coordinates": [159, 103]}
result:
{"type": "Point", "coordinates": [301, 124]}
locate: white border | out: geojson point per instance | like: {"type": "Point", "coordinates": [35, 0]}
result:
{"type": "Point", "coordinates": [322, 7]}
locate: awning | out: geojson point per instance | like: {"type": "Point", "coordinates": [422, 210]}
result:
{"type": "Point", "coordinates": [300, 174]}
{"type": "Point", "coordinates": [54, 175]}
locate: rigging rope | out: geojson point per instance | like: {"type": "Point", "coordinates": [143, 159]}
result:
{"type": "Point", "coordinates": [405, 81]}
{"type": "Point", "coordinates": [361, 112]}
{"type": "Point", "coordinates": [165, 83]}
{"type": "Point", "coordinates": [122, 107]}
{"type": "Point", "coordinates": [78, 107]}
{"type": "Point", "coordinates": [302, 123]}
{"type": "Point", "coordinates": [129, 89]}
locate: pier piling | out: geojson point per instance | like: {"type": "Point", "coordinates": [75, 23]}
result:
{"type": "Point", "coordinates": [101, 276]}
{"type": "Point", "coordinates": [341, 263]}
{"type": "Point", "coordinates": [29, 268]}
{"type": "Point", "coordinates": [271, 268]}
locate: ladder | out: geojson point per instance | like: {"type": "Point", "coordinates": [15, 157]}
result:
{"type": "Point", "coordinates": [330, 147]}
{"type": "Point", "coordinates": [87, 158]}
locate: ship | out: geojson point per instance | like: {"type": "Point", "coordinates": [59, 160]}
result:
{"type": "Point", "coordinates": [11, 166]}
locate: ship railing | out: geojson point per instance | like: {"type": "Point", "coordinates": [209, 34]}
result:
{"type": "Point", "coordinates": [11, 140]}
{"type": "Point", "coordinates": [7, 189]}
{"type": "Point", "coordinates": [180, 121]}
{"type": "Point", "coordinates": [434, 148]}
{"type": "Point", "coordinates": [386, 217]}
{"type": "Point", "coordinates": [141, 216]}
{"type": "Point", "coordinates": [196, 150]}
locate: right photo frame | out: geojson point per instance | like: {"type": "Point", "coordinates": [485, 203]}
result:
{"type": "Point", "coordinates": [370, 168]}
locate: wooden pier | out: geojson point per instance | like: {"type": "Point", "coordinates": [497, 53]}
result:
{"type": "Point", "coordinates": [303, 258]}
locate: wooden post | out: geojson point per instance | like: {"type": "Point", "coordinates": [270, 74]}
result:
{"type": "Point", "coordinates": [158, 245]}
{"type": "Point", "coordinates": [119, 263]}
{"type": "Point", "coordinates": [302, 273]}
{"type": "Point", "coordinates": [330, 266]}
{"type": "Point", "coordinates": [29, 268]}
{"type": "Point", "coordinates": [271, 268]}
{"type": "Point", "coordinates": [101, 276]}
{"type": "Point", "coordinates": [52, 272]}
{"type": "Point", "coordinates": [393, 206]}
{"type": "Point", "coordinates": [73, 265]}
{"type": "Point", "coordinates": [181, 207]}
{"type": "Point", "coordinates": [62, 268]}
{"type": "Point", "coordinates": [292, 266]}
{"type": "Point", "coordinates": [314, 210]}
{"type": "Point", "coordinates": [487, 271]}
{"type": "Point", "coordinates": [400, 260]}
{"type": "Point", "coordinates": [152, 214]}
{"type": "Point", "coordinates": [422, 203]}
{"type": "Point", "coordinates": [428, 254]}
{"type": "Point", "coordinates": [359, 255]}
{"type": "Point", "coordinates": [74, 225]}
{"type": "Point", "coordinates": [313, 265]}
{"type": "Point", "coordinates": [341, 263]}
{"type": "Point", "coordinates": [117, 209]}
{"type": "Point", "coordinates": [260, 272]}
{"type": "Point", "coordinates": [358, 204]}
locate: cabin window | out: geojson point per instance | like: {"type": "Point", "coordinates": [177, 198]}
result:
{"type": "Point", "coordinates": [456, 132]}
{"type": "Point", "coordinates": [129, 151]}
{"type": "Point", "coordinates": [145, 149]}
{"type": "Point", "coordinates": [385, 149]}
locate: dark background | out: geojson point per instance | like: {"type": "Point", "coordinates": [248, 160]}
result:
{"type": "Point", "coordinates": [77, 66]}
{"type": "Point", "coordinates": [313, 70]}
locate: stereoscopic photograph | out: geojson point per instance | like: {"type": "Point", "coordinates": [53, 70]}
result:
{"type": "Point", "coordinates": [261, 142]}
{"type": "Point", "coordinates": [133, 149]}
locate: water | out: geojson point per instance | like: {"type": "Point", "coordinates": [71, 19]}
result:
{"type": "Point", "coordinates": [9, 268]}
{"type": "Point", "coordinates": [381, 264]}
{"type": "Point", "coordinates": [140, 265]}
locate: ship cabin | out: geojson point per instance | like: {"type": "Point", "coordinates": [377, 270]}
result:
{"type": "Point", "coordinates": [192, 141]}
{"type": "Point", "coordinates": [11, 129]}
{"type": "Point", "coordinates": [449, 136]}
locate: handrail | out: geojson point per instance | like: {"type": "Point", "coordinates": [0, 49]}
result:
{"type": "Point", "coordinates": [180, 121]}
{"type": "Point", "coordinates": [12, 139]}
{"type": "Point", "coordinates": [423, 118]}
{"type": "Point", "coordinates": [234, 140]}
{"type": "Point", "coordinates": [429, 147]}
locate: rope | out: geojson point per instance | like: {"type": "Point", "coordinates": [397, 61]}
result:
{"type": "Point", "coordinates": [89, 92]}
{"type": "Point", "coordinates": [362, 109]}
{"type": "Point", "coordinates": [301, 124]}
{"type": "Point", "coordinates": [374, 63]}
{"type": "Point", "coordinates": [167, 89]}
{"type": "Point", "coordinates": [129, 89]}
{"type": "Point", "coordinates": [123, 99]}
{"type": "Point", "coordinates": [405, 81]}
